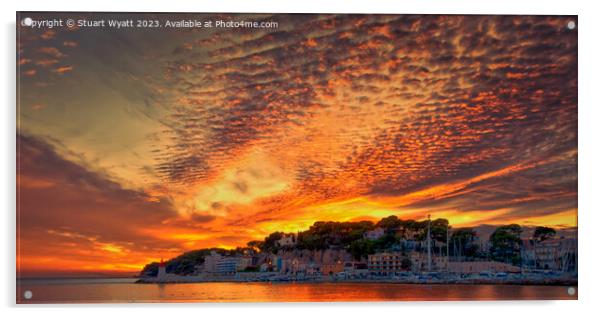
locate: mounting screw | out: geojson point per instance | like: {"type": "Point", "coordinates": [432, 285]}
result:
{"type": "Point", "coordinates": [571, 25]}
{"type": "Point", "coordinates": [27, 295]}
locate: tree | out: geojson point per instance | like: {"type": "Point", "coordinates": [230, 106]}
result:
{"type": "Point", "coordinates": [361, 248]}
{"type": "Point", "coordinates": [270, 243]}
{"type": "Point", "coordinates": [389, 224]}
{"type": "Point", "coordinates": [406, 264]}
{"type": "Point", "coordinates": [309, 240]}
{"type": "Point", "coordinates": [542, 233]}
{"type": "Point", "coordinates": [385, 242]}
{"type": "Point", "coordinates": [461, 241]}
{"type": "Point", "coordinates": [185, 263]}
{"type": "Point", "coordinates": [324, 235]}
{"type": "Point", "coordinates": [255, 244]}
{"type": "Point", "coordinates": [439, 229]}
{"type": "Point", "coordinates": [506, 244]}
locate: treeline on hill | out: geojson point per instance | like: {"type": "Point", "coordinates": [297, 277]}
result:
{"type": "Point", "coordinates": [185, 263]}
{"type": "Point", "coordinates": [505, 242]}
{"type": "Point", "coordinates": [350, 236]}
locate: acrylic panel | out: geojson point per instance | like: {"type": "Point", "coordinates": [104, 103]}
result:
{"type": "Point", "coordinates": [223, 157]}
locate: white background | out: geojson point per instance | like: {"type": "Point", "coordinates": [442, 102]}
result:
{"type": "Point", "coordinates": [590, 138]}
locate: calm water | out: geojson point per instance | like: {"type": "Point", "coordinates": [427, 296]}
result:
{"type": "Point", "coordinates": [125, 290]}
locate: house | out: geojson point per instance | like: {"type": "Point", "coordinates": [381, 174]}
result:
{"type": "Point", "coordinates": [420, 262]}
{"type": "Point", "coordinates": [332, 268]}
{"type": "Point", "coordinates": [356, 269]}
{"type": "Point", "coordinates": [210, 265]}
{"type": "Point", "coordinates": [528, 253]}
{"type": "Point", "coordinates": [228, 265]}
{"type": "Point", "coordinates": [374, 234]}
{"type": "Point", "coordinates": [312, 269]}
{"type": "Point", "coordinates": [559, 254]}
{"type": "Point", "coordinates": [385, 263]}
{"type": "Point", "coordinates": [410, 244]}
{"type": "Point", "coordinates": [289, 266]}
{"type": "Point", "coordinates": [263, 267]}
{"type": "Point", "coordinates": [244, 262]}
{"type": "Point", "coordinates": [287, 240]}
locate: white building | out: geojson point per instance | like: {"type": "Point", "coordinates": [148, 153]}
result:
{"type": "Point", "coordinates": [557, 254]}
{"type": "Point", "coordinates": [287, 240]}
{"type": "Point", "coordinates": [227, 265]}
{"type": "Point", "coordinates": [161, 273]}
{"type": "Point", "coordinates": [374, 234]}
{"type": "Point", "coordinates": [244, 262]}
{"type": "Point", "coordinates": [210, 265]}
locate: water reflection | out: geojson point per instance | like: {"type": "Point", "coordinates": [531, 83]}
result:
{"type": "Point", "coordinates": [51, 291]}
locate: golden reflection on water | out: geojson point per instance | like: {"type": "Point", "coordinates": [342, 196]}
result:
{"type": "Point", "coordinates": [57, 292]}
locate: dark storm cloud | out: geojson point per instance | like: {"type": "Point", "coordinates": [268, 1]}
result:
{"type": "Point", "coordinates": [59, 199]}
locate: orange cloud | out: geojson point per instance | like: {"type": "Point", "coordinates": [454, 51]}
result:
{"type": "Point", "coordinates": [52, 51]}
{"type": "Point", "coordinates": [29, 73]}
{"type": "Point", "coordinates": [62, 70]}
{"type": "Point", "coordinates": [46, 62]}
{"type": "Point", "coordinates": [70, 44]}
{"type": "Point", "coordinates": [49, 34]}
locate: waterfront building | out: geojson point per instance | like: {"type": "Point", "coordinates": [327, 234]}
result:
{"type": "Point", "coordinates": [528, 253]}
{"type": "Point", "coordinates": [440, 262]}
{"type": "Point", "coordinates": [482, 243]}
{"type": "Point", "coordinates": [263, 267]}
{"type": "Point", "coordinates": [275, 263]}
{"type": "Point", "coordinates": [567, 255]}
{"type": "Point", "coordinates": [295, 265]}
{"type": "Point", "coordinates": [356, 269]}
{"type": "Point", "coordinates": [292, 265]}
{"type": "Point", "coordinates": [385, 263]}
{"type": "Point", "coordinates": [332, 268]}
{"type": "Point", "coordinates": [244, 262]}
{"type": "Point", "coordinates": [227, 265]}
{"type": "Point", "coordinates": [210, 265]}
{"type": "Point", "coordinates": [558, 254]}
{"type": "Point", "coordinates": [420, 262]}
{"type": "Point", "coordinates": [312, 269]}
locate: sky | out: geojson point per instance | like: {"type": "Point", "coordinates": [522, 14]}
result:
{"type": "Point", "coordinates": [139, 144]}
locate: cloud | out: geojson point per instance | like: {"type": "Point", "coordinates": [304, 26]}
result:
{"type": "Point", "coordinates": [63, 69]}
{"type": "Point", "coordinates": [52, 51]}
{"type": "Point", "coordinates": [46, 62]}
{"type": "Point", "coordinates": [384, 106]}
{"type": "Point", "coordinates": [49, 34]}
{"type": "Point", "coordinates": [64, 208]}
{"type": "Point", "coordinates": [70, 43]}
{"type": "Point", "coordinates": [29, 73]}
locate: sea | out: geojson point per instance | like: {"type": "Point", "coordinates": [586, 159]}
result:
{"type": "Point", "coordinates": [126, 290]}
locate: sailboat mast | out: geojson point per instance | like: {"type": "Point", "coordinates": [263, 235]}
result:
{"type": "Point", "coordinates": [428, 243]}
{"type": "Point", "coordinates": [447, 246]}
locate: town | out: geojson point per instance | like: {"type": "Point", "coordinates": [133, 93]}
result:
{"type": "Point", "coordinates": [392, 250]}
